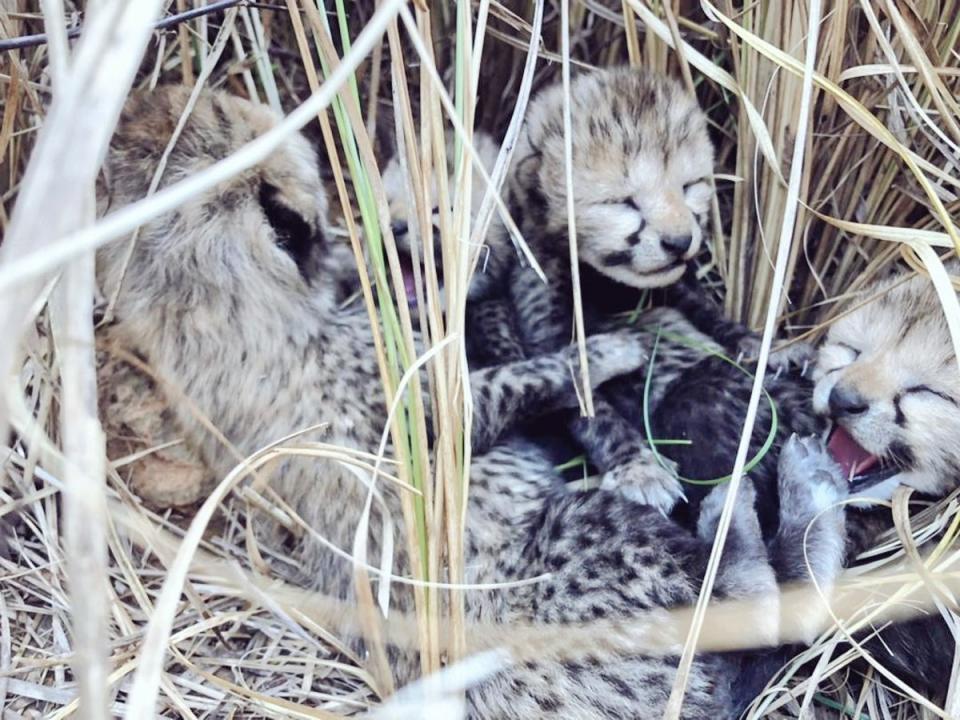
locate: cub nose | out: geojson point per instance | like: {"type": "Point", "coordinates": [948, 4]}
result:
{"type": "Point", "coordinates": [845, 401]}
{"type": "Point", "coordinates": [676, 244]}
{"type": "Point", "coordinates": [399, 228]}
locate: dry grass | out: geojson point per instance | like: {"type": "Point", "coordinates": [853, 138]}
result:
{"type": "Point", "coordinates": [874, 181]}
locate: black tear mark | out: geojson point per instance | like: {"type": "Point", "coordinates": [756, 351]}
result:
{"type": "Point", "coordinates": [623, 257]}
{"type": "Point", "coordinates": [901, 455]}
{"type": "Point", "coordinates": [899, 418]}
{"type": "Point", "coordinates": [294, 234]}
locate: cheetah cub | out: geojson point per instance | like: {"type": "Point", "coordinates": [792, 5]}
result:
{"type": "Point", "coordinates": [228, 297]}
{"type": "Point", "coordinates": [230, 300]}
{"type": "Point", "coordinates": [886, 377]}
{"type": "Point", "coordinates": [642, 162]}
{"type": "Point", "coordinates": [492, 336]}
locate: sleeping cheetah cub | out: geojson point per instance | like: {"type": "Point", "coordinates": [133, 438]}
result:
{"type": "Point", "coordinates": [642, 162]}
{"type": "Point", "coordinates": [618, 143]}
{"type": "Point", "coordinates": [887, 377]}
{"type": "Point", "coordinates": [642, 168]}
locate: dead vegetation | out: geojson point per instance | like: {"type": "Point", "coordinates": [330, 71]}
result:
{"type": "Point", "coordinates": [90, 591]}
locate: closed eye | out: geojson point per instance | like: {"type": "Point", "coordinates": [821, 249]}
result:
{"type": "Point", "coordinates": [694, 183]}
{"type": "Point", "coordinates": [628, 201]}
{"type": "Point", "coordinates": [851, 348]}
{"type": "Point", "coordinates": [927, 390]}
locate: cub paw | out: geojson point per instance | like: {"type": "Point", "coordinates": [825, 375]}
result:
{"type": "Point", "coordinates": [795, 355]}
{"type": "Point", "coordinates": [744, 510]}
{"type": "Point", "coordinates": [810, 481]}
{"type": "Point", "coordinates": [613, 354]}
{"type": "Point", "coordinates": [645, 481]}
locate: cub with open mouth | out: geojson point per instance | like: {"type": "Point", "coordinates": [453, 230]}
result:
{"type": "Point", "coordinates": [495, 254]}
{"type": "Point", "coordinates": [887, 376]}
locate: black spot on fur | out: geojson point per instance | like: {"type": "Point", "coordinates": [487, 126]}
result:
{"type": "Point", "coordinates": [223, 117]}
{"type": "Point", "coordinates": [909, 323]}
{"type": "Point", "coordinates": [902, 455]}
{"type": "Point", "coordinates": [549, 703]}
{"type": "Point", "coordinates": [619, 685]}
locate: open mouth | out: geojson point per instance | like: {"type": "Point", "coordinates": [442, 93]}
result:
{"type": "Point", "coordinates": [861, 468]}
{"type": "Point", "coordinates": [409, 278]}
{"type": "Point", "coordinates": [409, 281]}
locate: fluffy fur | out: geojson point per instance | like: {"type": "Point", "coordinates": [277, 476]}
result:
{"type": "Point", "coordinates": [642, 171]}
{"type": "Point", "coordinates": [228, 298]}
{"type": "Point", "coordinates": [137, 419]}
{"type": "Point", "coordinates": [496, 254]}
{"type": "Point", "coordinates": [886, 373]}
{"type": "Point", "coordinates": [611, 557]}
{"type": "Point", "coordinates": [642, 163]}
{"type": "Point", "coordinates": [642, 168]}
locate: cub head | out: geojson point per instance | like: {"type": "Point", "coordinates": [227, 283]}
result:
{"type": "Point", "coordinates": [642, 168]}
{"type": "Point", "coordinates": [887, 376]}
{"type": "Point", "coordinates": [255, 242]}
{"type": "Point", "coordinates": [403, 215]}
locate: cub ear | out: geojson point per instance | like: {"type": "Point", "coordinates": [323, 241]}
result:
{"type": "Point", "coordinates": [525, 176]}
{"type": "Point", "coordinates": [293, 234]}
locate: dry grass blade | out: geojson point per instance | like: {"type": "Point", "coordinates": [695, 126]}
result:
{"type": "Point", "coordinates": [64, 166]}
{"type": "Point", "coordinates": [787, 230]}
{"type": "Point", "coordinates": [70, 147]}
{"type": "Point", "coordinates": [86, 515]}
{"type": "Point", "coordinates": [190, 621]}
{"type": "Point", "coordinates": [580, 334]}
{"type": "Point", "coordinates": [651, 633]}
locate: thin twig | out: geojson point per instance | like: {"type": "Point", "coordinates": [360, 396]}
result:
{"type": "Point", "coordinates": [28, 41]}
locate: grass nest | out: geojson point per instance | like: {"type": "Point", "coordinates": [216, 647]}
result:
{"type": "Point", "coordinates": [802, 223]}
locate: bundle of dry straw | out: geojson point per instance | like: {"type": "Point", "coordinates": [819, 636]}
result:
{"type": "Point", "coordinates": [838, 134]}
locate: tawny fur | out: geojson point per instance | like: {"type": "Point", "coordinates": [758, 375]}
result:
{"type": "Point", "coordinates": [139, 426]}
{"type": "Point", "coordinates": [642, 170]}
{"type": "Point", "coordinates": [229, 300]}
{"type": "Point", "coordinates": [895, 354]}
{"type": "Point", "coordinates": [887, 373]}
{"type": "Point", "coordinates": [249, 331]}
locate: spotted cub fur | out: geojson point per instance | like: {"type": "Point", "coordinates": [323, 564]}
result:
{"type": "Point", "coordinates": [887, 378]}
{"type": "Point", "coordinates": [642, 163]}
{"type": "Point", "coordinates": [228, 298]}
